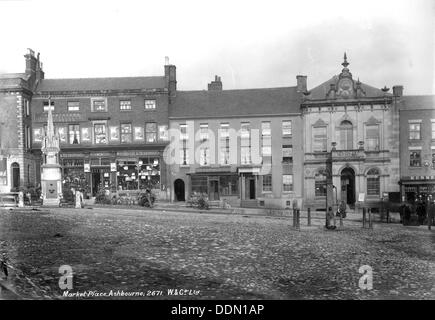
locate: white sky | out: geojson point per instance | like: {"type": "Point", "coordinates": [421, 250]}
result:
{"type": "Point", "coordinates": [250, 44]}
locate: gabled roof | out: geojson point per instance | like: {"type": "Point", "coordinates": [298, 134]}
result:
{"type": "Point", "coordinates": [95, 84]}
{"type": "Point", "coordinates": [244, 102]}
{"type": "Point", "coordinates": [321, 90]}
{"type": "Point", "coordinates": [410, 103]}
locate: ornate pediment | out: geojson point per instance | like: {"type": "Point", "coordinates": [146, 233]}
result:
{"type": "Point", "coordinates": [320, 123]}
{"type": "Point", "coordinates": [373, 120]}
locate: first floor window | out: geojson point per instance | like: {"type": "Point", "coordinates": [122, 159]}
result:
{"type": "Point", "coordinates": [100, 133]}
{"type": "Point", "coordinates": [126, 133]}
{"type": "Point", "coordinates": [287, 182]}
{"type": "Point", "coordinates": [373, 182]}
{"type": "Point", "coordinates": [319, 139]}
{"type": "Point", "coordinates": [184, 154]}
{"type": "Point", "coordinates": [267, 183]}
{"type": "Point", "coordinates": [415, 158]}
{"type": "Point", "coordinates": [372, 137]}
{"type": "Point", "coordinates": [433, 130]}
{"type": "Point", "coordinates": [204, 157]}
{"type": "Point", "coordinates": [74, 133]}
{"type": "Point", "coordinates": [286, 128]}
{"type": "Point", "coordinates": [287, 153]}
{"type": "Point", "coordinates": [163, 133]}
{"type": "Point", "coordinates": [150, 132]}
{"type": "Point", "coordinates": [245, 155]}
{"type": "Point", "coordinates": [433, 159]}
{"type": "Point", "coordinates": [225, 153]}
{"type": "Point", "coordinates": [320, 183]}
{"type": "Point", "coordinates": [414, 131]}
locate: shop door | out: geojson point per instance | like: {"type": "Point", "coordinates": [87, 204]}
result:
{"type": "Point", "coordinates": [96, 180]}
{"type": "Point", "coordinates": [213, 190]}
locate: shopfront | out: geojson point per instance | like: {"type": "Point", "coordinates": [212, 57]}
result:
{"type": "Point", "coordinates": [215, 185]}
{"type": "Point", "coordinates": [415, 189]}
{"type": "Point", "coordinates": [113, 171]}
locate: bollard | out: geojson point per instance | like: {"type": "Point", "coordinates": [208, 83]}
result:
{"type": "Point", "coordinates": [370, 219]}
{"type": "Point", "coordinates": [364, 217]}
{"type": "Point", "coordinates": [309, 216]}
{"type": "Point", "coordinates": [298, 219]}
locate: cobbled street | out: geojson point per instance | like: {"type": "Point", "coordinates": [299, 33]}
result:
{"type": "Point", "coordinates": [214, 255]}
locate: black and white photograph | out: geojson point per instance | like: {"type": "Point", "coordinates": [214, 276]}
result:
{"type": "Point", "coordinates": [236, 151]}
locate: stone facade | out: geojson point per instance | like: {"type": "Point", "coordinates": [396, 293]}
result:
{"type": "Point", "coordinates": [358, 126]}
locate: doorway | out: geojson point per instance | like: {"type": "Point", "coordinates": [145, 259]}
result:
{"type": "Point", "coordinates": [348, 186]}
{"type": "Point", "coordinates": [179, 190]}
{"type": "Point", "coordinates": [213, 190]}
{"type": "Point", "coordinates": [15, 167]}
{"type": "Point", "coordinates": [250, 188]}
{"type": "Point", "coordinates": [96, 180]}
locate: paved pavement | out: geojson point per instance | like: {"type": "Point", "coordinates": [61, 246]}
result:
{"type": "Point", "coordinates": [210, 256]}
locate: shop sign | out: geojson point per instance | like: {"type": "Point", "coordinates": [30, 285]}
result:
{"type": "Point", "coordinates": [113, 166]}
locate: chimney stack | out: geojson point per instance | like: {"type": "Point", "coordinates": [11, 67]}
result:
{"type": "Point", "coordinates": [31, 62]}
{"type": "Point", "coordinates": [398, 91]}
{"type": "Point", "coordinates": [171, 77]}
{"type": "Point", "coordinates": [215, 85]}
{"type": "Point", "coordinates": [301, 83]}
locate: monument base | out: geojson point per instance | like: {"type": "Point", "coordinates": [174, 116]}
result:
{"type": "Point", "coordinates": [51, 202]}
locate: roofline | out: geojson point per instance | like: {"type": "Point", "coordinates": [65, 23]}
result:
{"type": "Point", "coordinates": [238, 116]}
{"type": "Point", "coordinates": [232, 90]}
{"type": "Point", "coordinates": [101, 78]}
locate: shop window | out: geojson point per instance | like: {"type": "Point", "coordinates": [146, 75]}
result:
{"type": "Point", "coordinates": [150, 132]}
{"type": "Point", "coordinates": [287, 182]}
{"type": "Point", "coordinates": [127, 175]}
{"type": "Point", "coordinates": [149, 173]}
{"type": "Point", "coordinates": [267, 183]}
{"type": "Point", "coordinates": [126, 133]}
{"type": "Point", "coordinates": [199, 184]}
{"type": "Point", "coordinates": [229, 185]}
{"type": "Point", "coordinates": [415, 158]}
{"type": "Point", "coordinates": [320, 183]}
{"type": "Point", "coordinates": [373, 186]}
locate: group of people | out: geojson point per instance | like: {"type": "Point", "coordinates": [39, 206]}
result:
{"type": "Point", "coordinates": [417, 214]}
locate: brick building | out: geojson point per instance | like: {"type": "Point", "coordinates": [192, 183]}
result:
{"type": "Point", "coordinates": [220, 133]}
{"type": "Point", "coordinates": [17, 163]}
{"type": "Point", "coordinates": [417, 148]}
{"type": "Point", "coordinates": [112, 130]}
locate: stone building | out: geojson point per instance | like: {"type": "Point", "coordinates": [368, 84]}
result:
{"type": "Point", "coordinates": [356, 125]}
{"type": "Point", "coordinates": [17, 163]}
{"type": "Point", "coordinates": [220, 133]}
{"type": "Point", "coordinates": [417, 148]}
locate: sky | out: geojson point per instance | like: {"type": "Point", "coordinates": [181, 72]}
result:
{"type": "Point", "coordinates": [250, 44]}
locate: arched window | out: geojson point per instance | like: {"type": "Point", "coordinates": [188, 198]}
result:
{"type": "Point", "coordinates": [373, 187]}
{"type": "Point", "coordinates": [346, 135]}
{"type": "Point", "coordinates": [320, 183]}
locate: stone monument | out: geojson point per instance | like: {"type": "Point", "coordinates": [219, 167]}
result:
{"type": "Point", "coordinates": [51, 177]}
